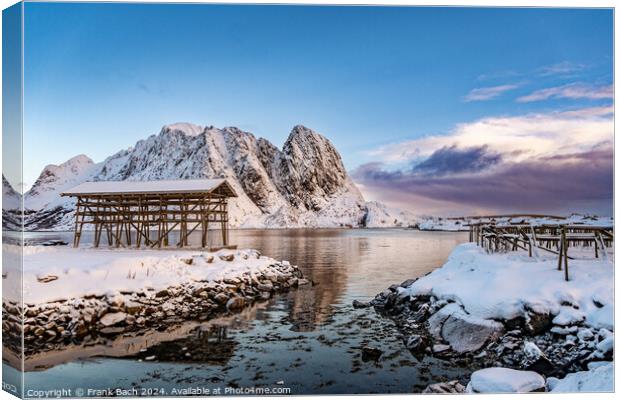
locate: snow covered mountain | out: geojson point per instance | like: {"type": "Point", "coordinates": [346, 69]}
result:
{"type": "Point", "coordinates": [56, 178]}
{"type": "Point", "coordinates": [378, 215]}
{"type": "Point", "coordinates": [11, 199]}
{"type": "Point", "coordinates": [303, 185]}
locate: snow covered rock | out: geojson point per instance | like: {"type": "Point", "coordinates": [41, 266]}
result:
{"type": "Point", "coordinates": [505, 380]}
{"type": "Point", "coordinates": [536, 360]}
{"type": "Point", "coordinates": [606, 345]}
{"type": "Point", "coordinates": [112, 318]}
{"type": "Point", "coordinates": [464, 333]}
{"type": "Point", "coordinates": [569, 316]}
{"type": "Point", "coordinates": [445, 387]}
{"type": "Point", "coordinates": [416, 344]}
{"type": "Point", "coordinates": [599, 379]}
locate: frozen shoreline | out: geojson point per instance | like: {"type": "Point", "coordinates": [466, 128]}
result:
{"type": "Point", "coordinates": [83, 272]}
{"type": "Point", "coordinates": [87, 295]}
{"type": "Point", "coordinates": [509, 310]}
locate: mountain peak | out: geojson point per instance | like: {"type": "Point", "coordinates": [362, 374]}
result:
{"type": "Point", "coordinates": [301, 130]}
{"type": "Point", "coordinates": [80, 159]}
{"type": "Point", "coordinates": [185, 128]}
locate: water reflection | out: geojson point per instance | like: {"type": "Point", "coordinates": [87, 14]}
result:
{"type": "Point", "coordinates": [311, 337]}
{"type": "Point", "coordinates": [204, 344]}
{"type": "Point", "coordinates": [344, 264]}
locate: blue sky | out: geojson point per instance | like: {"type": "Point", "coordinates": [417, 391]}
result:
{"type": "Point", "coordinates": [99, 77]}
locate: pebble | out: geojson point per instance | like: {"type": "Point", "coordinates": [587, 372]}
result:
{"type": "Point", "coordinates": [371, 353]}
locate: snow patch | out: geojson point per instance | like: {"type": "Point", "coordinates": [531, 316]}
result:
{"type": "Point", "coordinates": [504, 380]}
{"type": "Point", "coordinates": [505, 286]}
{"type": "Point", "coordinates": [599, 379]}
{"type": "Point", "coordinates": [59, 273]}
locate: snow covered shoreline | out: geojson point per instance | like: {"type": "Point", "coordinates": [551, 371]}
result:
{"type": "Point", "coordinates": [509, 310]}
{"type": "Point", "coordinates": [85, 295]}
{"type": "Point", "coordinates": [454, 224]}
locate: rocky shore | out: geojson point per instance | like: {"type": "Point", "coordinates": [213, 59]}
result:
{"type": "Point", "coordinates": [540, 343]}
{"type": "Point", "coordinates": [463, 313]}
{"type": "Point", "coordinates": [93, 319]}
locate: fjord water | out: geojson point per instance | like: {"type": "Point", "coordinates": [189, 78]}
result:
{"type": "Point", "coordinates": [309, 339]}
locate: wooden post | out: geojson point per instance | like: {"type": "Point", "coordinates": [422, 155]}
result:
{"type": "Point", "coordinates": [565, 247]}
{"type": "Point", "coordinates": [560, 250]}
{"type": "Point", "coordinates": [595, 248]}
{"type": "Point", "coordinates": [77, 231]}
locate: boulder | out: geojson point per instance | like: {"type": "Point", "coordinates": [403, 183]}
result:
{"type": "Point", "coordinates": [79, 330]}
{"type": "Point", "coordinates": [227, 257]}
{"type": "Point", "coordinates": [221, 298]}
{"type": "Point", "coordinates": [112, 319]}
{"type": "Point", "coordinates": [564, 330]}
{"type": "Point", "coordinates": [505, 380]}
{"type": "Point", "coordinates": [416, 344]}
{"type": "Point", "coordinates": [235, 303]}
{"type": "Point", "coordinates": [536, 360]}
{"type": "Point", "coordinates": [111, 330]}
{"type": "Point", "coordinates": [408, 283]}
{"type": "Point", "coordinates": [465, 333]}
{"type": "Point", "coordinates": [132, 307]}
{"type": "Point", "coordinates": [440, 348]}
{"type": "Point", "coordinates": [435, 322]}
{"type": "Point", "coordinates": [266, 286]}
{"type": "Point", "coordinates": [537, 322]}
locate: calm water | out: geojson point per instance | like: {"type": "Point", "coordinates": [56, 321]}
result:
{"type": "Point", "coordinates": [308, 340]}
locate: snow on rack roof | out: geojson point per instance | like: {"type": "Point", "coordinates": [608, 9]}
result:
{"type": "Point", "coordinates": [152, 187]}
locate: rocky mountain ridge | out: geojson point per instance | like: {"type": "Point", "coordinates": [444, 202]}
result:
{"type": "Point", "coordinates": [303, 185]}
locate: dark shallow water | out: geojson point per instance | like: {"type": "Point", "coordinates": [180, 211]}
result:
{"type": "Point", "coordinates": [308, 340]}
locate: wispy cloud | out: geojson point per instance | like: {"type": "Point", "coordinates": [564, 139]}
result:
{"type": "Point", "coordinates": [570, 91]}
{"type": "Point", "coordinates": [562, 68]}
{"type": "Point", "coordinates": [488, 93]}
{"type": "Point", "coordinates": [602, 111]}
